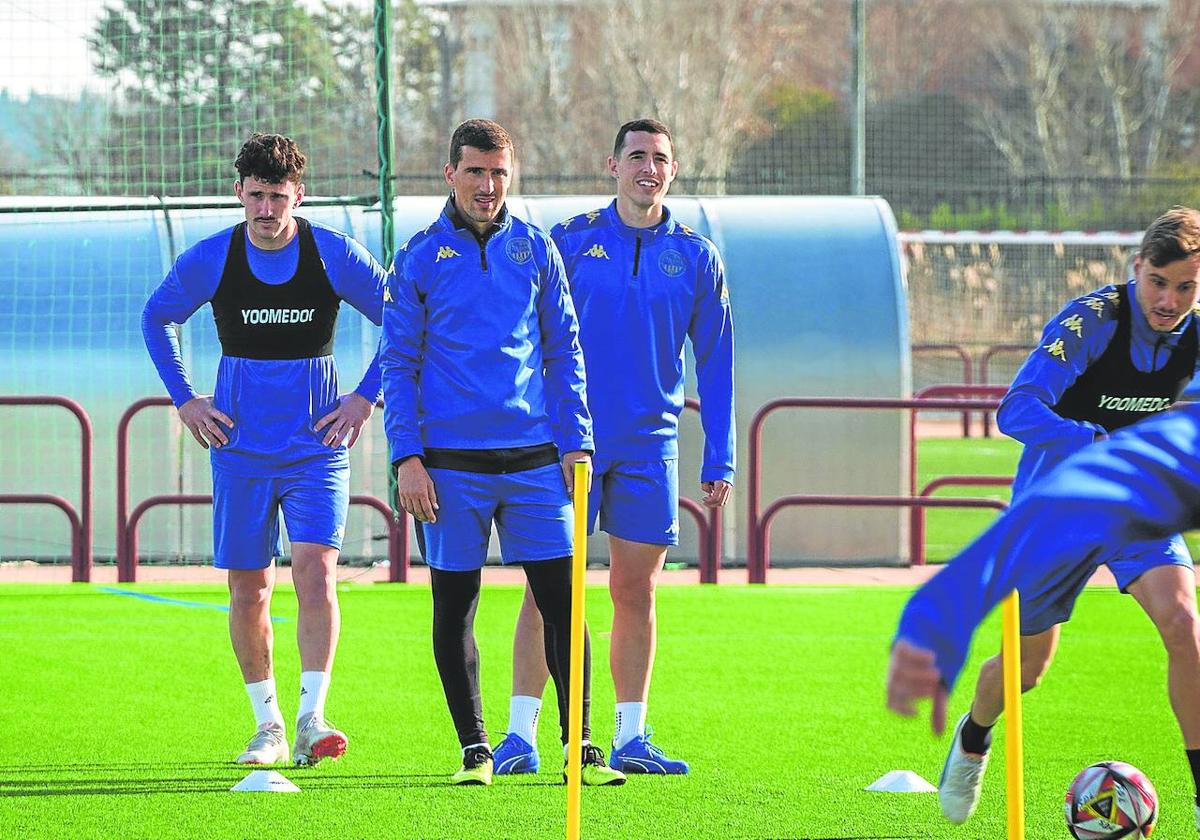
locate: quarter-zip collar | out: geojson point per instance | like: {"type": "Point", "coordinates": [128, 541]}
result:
{"type": "Point", "coordinates": [665, 226]}
{"type": "Point", "coordinates": [455, 220]}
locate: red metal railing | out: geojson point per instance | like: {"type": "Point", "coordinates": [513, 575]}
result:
{"type": "Point", "coordinates": [396, 557]}
{"type": "Point", "coordinates": [965, 357]}
{"type": "Point", "coordinates": [985, 361]}
{"type": "Point", "coordinates": [917, 526]}
{"type": "Point", "coordinates": [919, 502]}
{"type": "Point", "coordinates": [81, 522]}
{"type": "Point", "coordinates": [916, 521]}
{"type": "Point", "coordinates": [127, 523]}
{"type": "Point", "coordinates": [756, 552]}
{"type": "Point", "coordinates": [708, 523]}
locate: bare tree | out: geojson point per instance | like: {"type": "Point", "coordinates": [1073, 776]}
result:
{"type": "Point", "coordinates": [573, 72]}
{"type": "Point", "coordinates": [1078, 90]}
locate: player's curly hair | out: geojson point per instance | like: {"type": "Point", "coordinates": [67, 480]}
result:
{"type": "Point", "coordinates": [1173, 236]}
{"type": "Point", "coordinates": [485, 135]}
{"type": "Point", "coordinates": [271, 158]}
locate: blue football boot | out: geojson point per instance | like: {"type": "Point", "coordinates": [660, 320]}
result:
{"type": "Point", "coordinates": [515, 755]}
{"type": "Point", "coordinates": [641, 756]}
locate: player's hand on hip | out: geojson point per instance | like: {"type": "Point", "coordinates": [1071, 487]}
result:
{"type": "Point", "coordinates": [716, 493]}
{"type": "Point", "coordinates": [414, 488]}
{"type": "Point", "coordinates": [913, 675]}
{"type": "Point", "coordinates": [568, 467]}
{"type": "Point", "coordinates": [352, 413]}
{"type": "Point", "coordinates": [204, 421]}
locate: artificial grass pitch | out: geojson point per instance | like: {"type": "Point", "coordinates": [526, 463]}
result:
{"type": "Point", "coordinates": [121, 717]}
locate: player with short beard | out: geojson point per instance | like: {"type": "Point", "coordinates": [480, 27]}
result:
{"type": "Point", "coordinates": [1110, 358]}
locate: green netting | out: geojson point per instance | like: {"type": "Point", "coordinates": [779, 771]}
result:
{"type": "Point", "coordinates": [1027, 113]}
{"type": "Point", "coordinates": [1037, 114]}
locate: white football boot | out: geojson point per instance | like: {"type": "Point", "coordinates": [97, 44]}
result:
{"type": "Point", "coordinates": [962, 779]}
{"type": "Point", "coordinates": [268, 746]}
{"type": "Point", "coordinates": [315, 740]}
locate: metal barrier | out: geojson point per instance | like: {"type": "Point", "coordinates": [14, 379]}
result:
{"type": "Point", "coordinates": [396, 558]}
{"type": "Point", "coordinates": [916, 522]}
{"type": "Point", "coordinates": [965, 357]}
{"type": "Point", "coordinates": [708, 523]}
{"type": "Point", "coordinates": [81, 521]}
{"type": "Point", "coordinates": [984, 362]}
{"type": "Point", "coordinates": [127, 523]}
{"type": "Point", "coordinates": [855, 501]}
{"type": "Point", "coordinates": [755, 550]}
{"type": "Point", "coordinates": [917, 527]}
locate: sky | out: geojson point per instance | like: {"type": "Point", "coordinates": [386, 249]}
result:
{"type": "Point", "coordinates": [43, 46]}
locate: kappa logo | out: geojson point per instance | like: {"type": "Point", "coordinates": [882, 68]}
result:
{"type": "Point", "coordinates": [1096, 305]}
{"type": "Point", "coordinates": [592, 215]}
{"type": "Point", "coordinates": [1055, 348]}
{"type": "Point", "coordinates": [387, 293]}
{"type": "Point", "coordinates": [519, 250]}
{"type": "Point", "coordinates": [445, 252]}
{"type": "Point", "coordinates": [566, 223]}
{"type": "Point", "coordinates": [597, 251]}
{"type": "Point", "coordinates": [1074, 323]}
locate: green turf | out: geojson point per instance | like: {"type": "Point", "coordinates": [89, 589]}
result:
{"type": "Point", "coordinates": [119, 716]}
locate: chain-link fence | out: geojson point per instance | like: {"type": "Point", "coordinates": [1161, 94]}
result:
{"type": "Point", "coordinates": [1055, 114]}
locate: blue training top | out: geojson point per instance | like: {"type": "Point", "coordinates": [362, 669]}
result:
{"type": "Point", "coordinates": [1139, 484]}
{"type": "Point", "coordinates": [1071, 342]}
{"type": "Point", "coordinates": [640, 292]}
{"type": "Point", "coordinates": [274, 403]}
{"type": "Point", "coordinates": [480, 344]}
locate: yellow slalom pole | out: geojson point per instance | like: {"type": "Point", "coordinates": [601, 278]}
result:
{"type": "Point", "coordinates": [1014, 758]}
{"type": "Point", "coordinates": [575, 695]}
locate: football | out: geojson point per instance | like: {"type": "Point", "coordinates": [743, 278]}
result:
{"type": "Point", "coordinates": [1109, 800]}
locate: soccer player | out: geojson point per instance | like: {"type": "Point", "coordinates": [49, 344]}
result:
{"type": "Point", "coordinates": [642, 283]}
{"type": "Point", "coordinates": [486, 415]}
{"type": "Point", "coordinates": [1108, 359]}
{"type": "Point", "coordinates": [278, 430]}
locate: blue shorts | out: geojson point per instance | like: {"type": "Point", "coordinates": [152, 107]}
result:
{"type": "Point", "coordinates": [531, 510]}
{"type": "Point", "coordinates": [246, 513]}
{"type": "Point", "coordinates": [1042, 609]}
{"type": "Point", "coordinates": [636, 500]}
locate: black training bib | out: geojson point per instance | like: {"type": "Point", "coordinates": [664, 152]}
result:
{"type": "Point", "coordinates": [1114, 393]}
{"type": "Point", "coordinates": [292, 320]}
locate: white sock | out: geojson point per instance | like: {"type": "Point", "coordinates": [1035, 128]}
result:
{"type": "Point", "coordinates": [631, 722]}
{"type": "Point", "coordinates": [523, 712]}
{"type": "Point", "coordinates": [314, 685]}
{"type": "Point", "coordinates": [582, 743]}
{"type": "Point", "coordinates": [265, 702]}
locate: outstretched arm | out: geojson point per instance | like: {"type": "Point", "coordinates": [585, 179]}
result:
{"type": "Point", "coordinates": [1142, 483]}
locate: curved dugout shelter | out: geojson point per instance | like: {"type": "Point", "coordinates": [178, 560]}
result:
{"type": "Point", "coordinates": [819, 310]}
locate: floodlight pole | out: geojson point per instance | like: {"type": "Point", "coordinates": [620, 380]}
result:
{"type": "Point", "coordinates": [858, 93]}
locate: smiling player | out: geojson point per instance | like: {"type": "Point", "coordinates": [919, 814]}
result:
{"type": "Point", "coordinates": [643, 284]}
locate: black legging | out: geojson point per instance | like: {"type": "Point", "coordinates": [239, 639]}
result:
{"type": "Point", "coordinates": [455, 599]}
